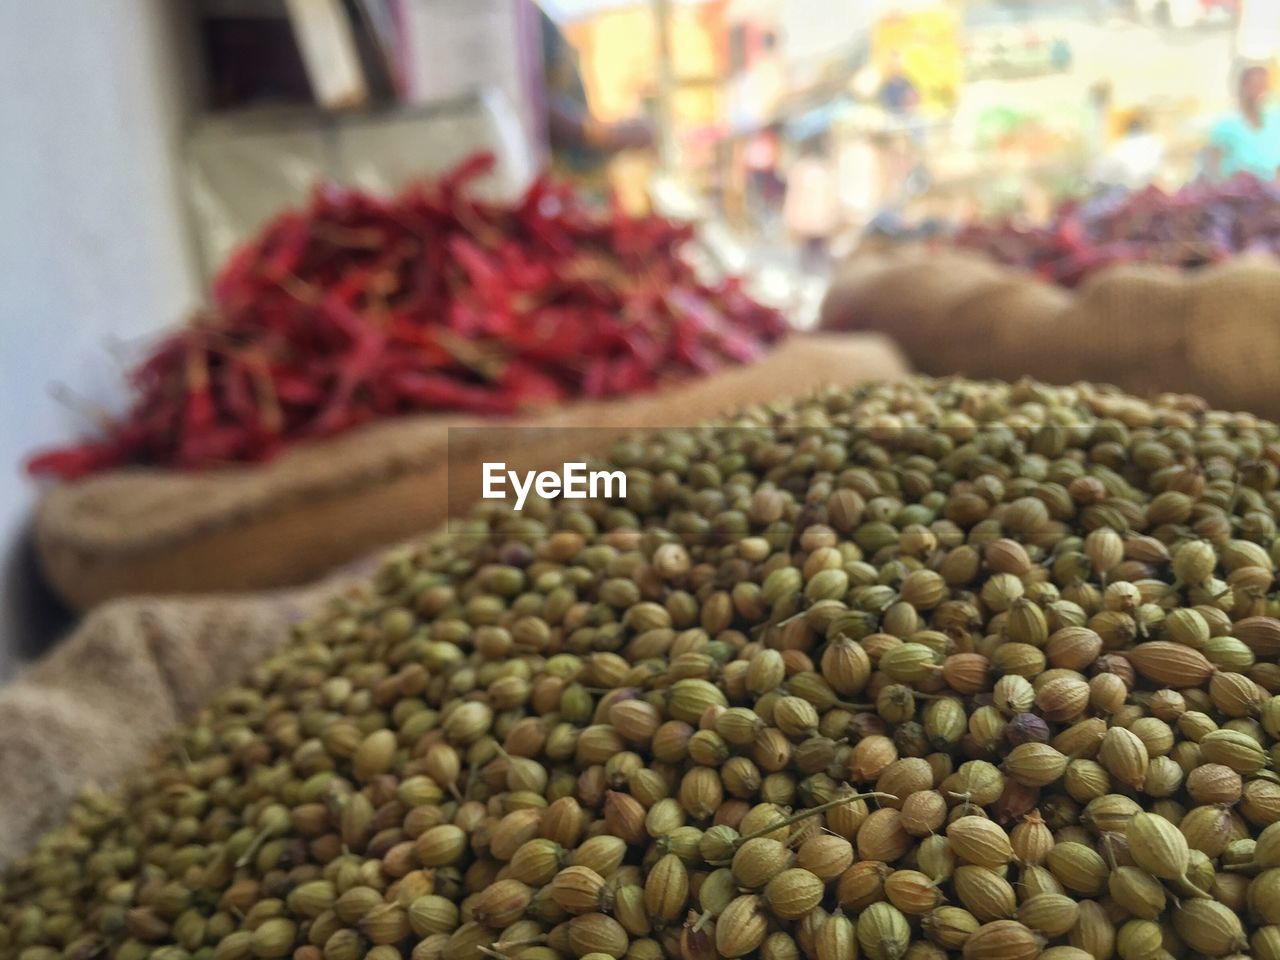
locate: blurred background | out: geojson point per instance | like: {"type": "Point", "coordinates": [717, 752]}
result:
{"type": "Point", "coordinates": [147, 139]}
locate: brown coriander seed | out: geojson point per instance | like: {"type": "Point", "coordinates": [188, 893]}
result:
{"type": "Point", "coordinates": [577, 735]}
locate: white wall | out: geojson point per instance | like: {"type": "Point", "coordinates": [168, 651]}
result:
{"type": "Point", "coordinates": [93, 246]}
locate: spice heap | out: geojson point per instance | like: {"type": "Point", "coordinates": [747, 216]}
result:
{"type": "Point", "coordinates": [918, 671]}
{"type": "Point", "coordinates": [360, 308]}
{"type": "Point", "coordinates": [1201, 223]}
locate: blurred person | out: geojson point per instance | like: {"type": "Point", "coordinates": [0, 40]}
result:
{"type": "Point", "coordinates": [1060, 55]}
{"type": "Point", "coordinates": [900, 99]}
{"type": "Point", "coordinates": [898, 95]}
{"type": "Point", "coordinates": [1247, 141]}
{"type": "Point", "coordinates": [811, 208]}
{"type": "Point", "coordinates": [862, 175]}
{"type": "Point", "coordinates": [764, 185]}
{"type": "Point", "coordinates": [1133, 161]}
{"type": "Point", "coordinates": [581, 144]}
{"type": "Point", "coordinates": [765, 82]}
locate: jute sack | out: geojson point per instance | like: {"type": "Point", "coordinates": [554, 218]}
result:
{"type": "Point", "coordinates": [1232, 342]}
{"type": "Point", "coordinates": [319, 505]}
{"type": "Point", "coordinates": [1129, 326]}
{"type": "Point", "coordinates": [91, 710]}
{"type": "Point", "coordinates": [1147, 329]}
{"type": "Point", "coordinates": [1213, 332]}
{"type": "Point", "coordinates": [1003, 330]}
{"type": "Point", "coordinates": [906, 295]}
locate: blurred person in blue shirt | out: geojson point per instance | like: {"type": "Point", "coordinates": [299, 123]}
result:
{"type": "Point", "coordinates": [1247, 141]}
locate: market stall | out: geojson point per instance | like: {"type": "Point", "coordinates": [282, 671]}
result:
{"type": "Point", "coordinates": [478, 555]}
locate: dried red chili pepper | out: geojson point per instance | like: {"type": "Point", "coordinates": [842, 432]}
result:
{"type": "Point", "coordinates": [360, 308]}
{"type": "Point", "coordinates": [1201, 223]}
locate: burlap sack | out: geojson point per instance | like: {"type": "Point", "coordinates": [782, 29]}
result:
{"type": "Point", "coordinates": [318, 506]}
{"type": "Point", "coordinates": [847, 288]}
{"type": "Point", "coordinates": [906, 295]}
{"type": "Point", "coordinates": [92, 709]}
{"type": "Point", "coordinates": [1147, 329]}
{"type": "Point", "coordinates": [1127, 326]}
{"type": "Point", "coordinates": [990, 332]}
{"type": "Point", "coordinates": [1232, 342]}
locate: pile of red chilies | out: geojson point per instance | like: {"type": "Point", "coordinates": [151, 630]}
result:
{"type": "Point", "coordinates": [362, 308]}
{"type": "Point", "coordinates": [1202, 223]}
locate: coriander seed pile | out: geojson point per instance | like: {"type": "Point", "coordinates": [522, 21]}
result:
{"type": "Point", "coordinates": [926, 670]}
